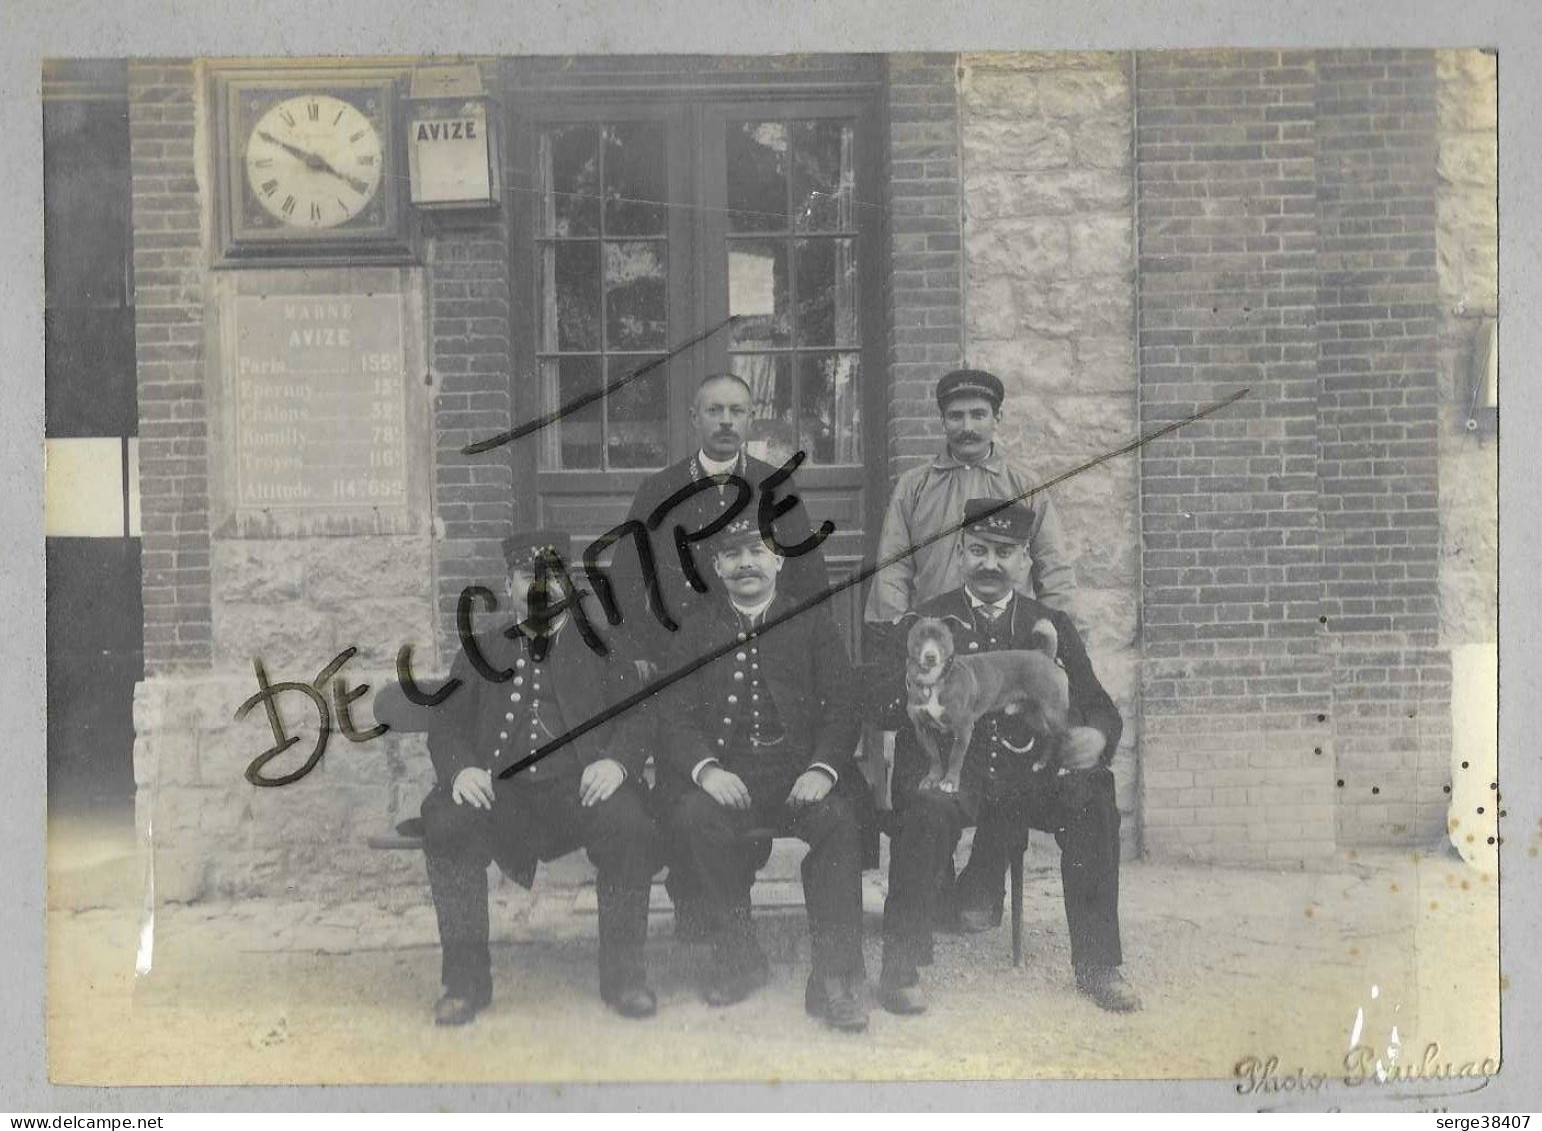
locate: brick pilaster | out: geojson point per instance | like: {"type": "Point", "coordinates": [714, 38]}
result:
{"type": "Point", "coordinates": [1378, 421]}
{"type": "Point", "coordinates": [169, 271]}
{"type": "Point", "coordinates": [924, 285]}
{"type": "Point", "coordinates": [1235, 691]}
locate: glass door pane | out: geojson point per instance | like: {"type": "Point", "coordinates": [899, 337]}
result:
{"type": "Point", "coordinates": [792, 249]}
{"type": "Point", "coordinates": [602, 248]}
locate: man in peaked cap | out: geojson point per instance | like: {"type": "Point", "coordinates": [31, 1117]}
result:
{"type": "Point", "coordinates": [589, 793]}
{"type": "Point", "coordinates": [1002, 792]}
{"type": "Point", "coordinates": [761, 738]}
{"type": "Point", "coordinates": [930, 499]}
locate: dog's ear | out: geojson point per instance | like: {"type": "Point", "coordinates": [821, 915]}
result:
{"type": "Point", "coordinates": [1045, 638]}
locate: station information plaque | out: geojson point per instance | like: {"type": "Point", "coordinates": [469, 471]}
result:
{"type": "Point", "coordinates": [319, 395]}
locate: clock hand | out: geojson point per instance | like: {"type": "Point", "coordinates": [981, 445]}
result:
{"type": "Point", "coordinates": [317, 162]}
{"type": "Point", "coordinates": [358, 185]}
{"type": "Point", "coordinates": [309, 158]}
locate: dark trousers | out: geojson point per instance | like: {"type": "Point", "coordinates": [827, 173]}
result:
{"type": "Point", "coordinates": [708, 842]}
{"type": "Point", "coordinates": [541, 824]}
{"type": "Point", "coordinates": [1077, 807]}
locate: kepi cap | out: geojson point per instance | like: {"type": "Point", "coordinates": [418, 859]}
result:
{"type": "Point", "coordinates": [998, 520]}
{"type": "Point", "coordinates": [523, 547]}
{"type": "Point", "coordinates": [970, 383]}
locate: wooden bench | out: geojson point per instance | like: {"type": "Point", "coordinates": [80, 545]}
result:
{"type": "Point", "coordinates": [392, 708]}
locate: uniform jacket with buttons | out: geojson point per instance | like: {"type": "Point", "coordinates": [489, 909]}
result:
{"type": "Point", "coordinates": [990, 750]}
{"type": "Point", "coordinates": [804, 670]}
{"type": "Point", "coordinates": [490, 724]}
{"type": "Point", "coordinates": [802, 576]}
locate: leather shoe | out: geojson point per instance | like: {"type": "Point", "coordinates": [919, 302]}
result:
{"type": "Point", "coordinates": [1107, 988]}
{"type": "Point", "coordinates": [903, 1000]}
{"type": "Point", "coordinates": [454, 1010]}
{"type": "Point", "coordinates": [634, 1001]}
{"type": "Point", "coordinates": [729, 985]}
{"type": "Point", "coordinates": [840, 1001]}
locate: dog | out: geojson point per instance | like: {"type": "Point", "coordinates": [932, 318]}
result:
{"type": "Point", "coordinates": [948, 694]}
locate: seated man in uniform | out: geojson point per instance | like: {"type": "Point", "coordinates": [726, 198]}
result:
{"type": "Point", "coordinates": [589, 793]}
{"type": "Point", "coordinates": [759, 738]}
{"type": "Point", "coordinates": [1002, 793]}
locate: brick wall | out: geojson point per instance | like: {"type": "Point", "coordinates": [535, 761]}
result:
{"type": "Point", "coordinates": [1377, 424]}
{"type": "Point", "coordinates": [169, 270]}
{"type": "Point", "coordinates": [1236, 757]}
{"type": "Point", "coordinates": [474, 498]}
{"type": "Point", "coordinates": [924, 285]}
{"type": "Point", "coordinates": [1297, 695]}
{"type": "Point", "coordinates": [1050, 308]}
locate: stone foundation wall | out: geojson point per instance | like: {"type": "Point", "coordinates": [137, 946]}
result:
{"type": "Point", "coordinates": [210, 835]}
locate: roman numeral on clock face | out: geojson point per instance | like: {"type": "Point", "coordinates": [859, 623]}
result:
{"type": "Point", "coordinates": [288, 205]}
{"type": "Point", "coordinates": [315, 211]}
{"type": "Point", "coordinates": [270, 186]}
{"type": "Point", "coordinates": [313, 112]}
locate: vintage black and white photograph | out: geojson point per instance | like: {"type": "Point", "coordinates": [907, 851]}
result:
{"type": "Point", "coordinates": [774, 567]}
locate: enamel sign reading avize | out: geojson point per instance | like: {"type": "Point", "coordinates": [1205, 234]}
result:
{"type": "Point", "coordinates": [449, 159]}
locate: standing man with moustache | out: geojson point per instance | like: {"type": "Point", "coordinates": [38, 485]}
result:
{"type": "Point", "coordinates": [761, 737]}
{"type": "Point", "coordinates": [720, 413]}
{"type": "Point", "coordinates": [930, 499]}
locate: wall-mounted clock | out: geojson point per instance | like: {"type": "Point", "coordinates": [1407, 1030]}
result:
{"type": "Point", "coordinates": [310, 168]}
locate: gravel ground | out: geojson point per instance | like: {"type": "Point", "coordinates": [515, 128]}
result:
{"type": "Point", "coordinates": [1388, 950]}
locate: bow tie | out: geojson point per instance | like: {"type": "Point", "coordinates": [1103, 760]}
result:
{"type": "Point", "coordinates": [991, 613]}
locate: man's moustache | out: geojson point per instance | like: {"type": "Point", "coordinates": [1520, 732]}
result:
{"type": "Point", "coordinates": [969, 438]}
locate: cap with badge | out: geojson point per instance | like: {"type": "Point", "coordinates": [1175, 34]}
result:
{"type": "Point", "coordinates": [738, 532]}
{"type": "Point", "coordinates": [970, 383]}
{"type": "Point", "coordinates": [522, 548]}
{"type": "Point", "coordinates": [999, 520]}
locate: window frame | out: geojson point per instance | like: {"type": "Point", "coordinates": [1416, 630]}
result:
{"type": "Point", "coordinates": [696, 113]}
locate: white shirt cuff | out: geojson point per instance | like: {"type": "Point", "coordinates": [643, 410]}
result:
{"type": "Point", "coordinates": [699, 767]}
{"type": "Point", "coordinates": [835, 778]}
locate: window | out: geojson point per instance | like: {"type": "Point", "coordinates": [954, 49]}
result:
{"type": "Point", "coordinates": [792, 253]}
{"type": "Point", "coordinates": [604, 260]}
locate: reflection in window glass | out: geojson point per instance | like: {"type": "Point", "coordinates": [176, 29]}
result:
{"type": "Point", "coordinates": [573, 441]}
{"type": "Point", "coordinates": [636, 417]}
{"type": "Point", "coordinates": [757, 176]}
{"type": "Point", "coordinates": [823, 175]}
{"type": "Point", "coordinates": [827, 292]}
{"type": "Point", "coordinates": [570, 312]}
{"type": "Point", "coordinates": [830, 407]}
{"type": "Point", "coordinates": [635, 189]}
{"type": "Point", "coordinates": [758, 293]}
{"type": "Point", "coordinates": [569, 171]}
{"type": "Point", "coordinates": [793, 285]}
{"type": "Point", "coordinates": [602, 254]}
{"type": "Point", "coordinates": [773, 431]}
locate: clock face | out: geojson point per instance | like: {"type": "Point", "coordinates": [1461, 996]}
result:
{"type": "Point", "coordinates": [314, 161]}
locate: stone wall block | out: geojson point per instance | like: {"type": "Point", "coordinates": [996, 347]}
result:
{"type": "Point", "coordinates": [1103, 246]}
{"type": "Point", "coordinates": [1080, 94]}
{"type": "Point", "coordinates": [1028, 248]}
{"type": "Point", "coordinates": [1016, 146]}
